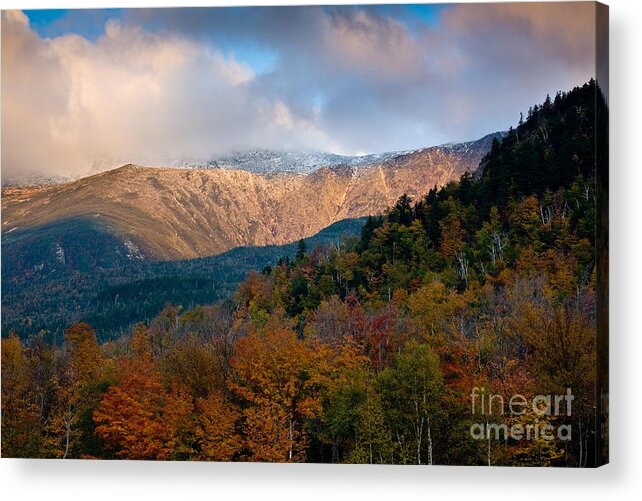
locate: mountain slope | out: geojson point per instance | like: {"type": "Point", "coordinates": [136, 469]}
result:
{"type": "Point", "coordinates": [168, 214]}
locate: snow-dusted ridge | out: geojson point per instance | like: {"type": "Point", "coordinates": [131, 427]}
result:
{"type": "Point", "coordinates": [262, 161]}
{"type": "Point", "coordinates": [271, 162]}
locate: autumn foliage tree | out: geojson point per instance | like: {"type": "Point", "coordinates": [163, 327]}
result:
{"type": "Point", "coordinates": [277, 377]}
{"type": "Point", "coordinates": [140, 419]}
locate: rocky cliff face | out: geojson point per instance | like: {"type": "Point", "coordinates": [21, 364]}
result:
{"type": "Point", "coordinates": [169, 213]}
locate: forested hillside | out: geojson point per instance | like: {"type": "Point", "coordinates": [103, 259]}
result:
{"type": "Point", "coordinates": [77, 271]}
{"type": "Point", "coordinates": [367, 352]}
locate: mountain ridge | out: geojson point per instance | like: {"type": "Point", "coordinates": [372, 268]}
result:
{"type": "Point", "coordinates": [173, 213]}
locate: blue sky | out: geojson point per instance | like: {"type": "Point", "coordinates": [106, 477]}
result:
{"type": "Point", "coordinates": [90, 24]}
{"type": "Point", "coordinates": [146, 85]}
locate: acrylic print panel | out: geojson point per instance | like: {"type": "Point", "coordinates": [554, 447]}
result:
{"type": "Point", "coordinates": [342, 234]}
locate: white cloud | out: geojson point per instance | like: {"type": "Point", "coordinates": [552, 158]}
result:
{"type": "Point", "coordinates": [132, 96]}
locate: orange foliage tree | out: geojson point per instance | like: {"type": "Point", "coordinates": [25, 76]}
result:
{"type": "Point", "coordinates": [77, 391]}
{"type": "Point", "coordinates": [20, 410]}
{"type": "Point", "coordinates": [140, 419]}
{"type": "Point", "coordinates": [217, 434]}
{"type": "Point", "coordinates": [278, 378]}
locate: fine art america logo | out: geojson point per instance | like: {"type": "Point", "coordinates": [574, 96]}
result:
{"type": "Point", "coordinates": [543, 407]}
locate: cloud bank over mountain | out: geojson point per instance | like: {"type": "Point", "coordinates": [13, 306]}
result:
{"type": "Point", "coordinates": [153, 85]}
